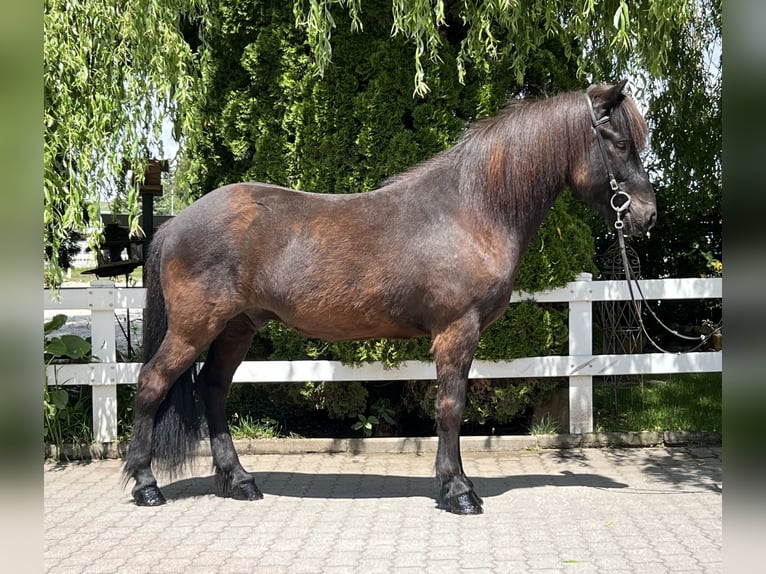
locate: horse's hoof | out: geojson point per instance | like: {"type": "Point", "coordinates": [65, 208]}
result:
{"type": "Point", "coordinates": [465, 503]}
{"type": "Point", "coordinates": [246, 491]}
{"type": "Point", "coordinates": [149, 496]}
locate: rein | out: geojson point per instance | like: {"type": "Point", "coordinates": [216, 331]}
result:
{"type": "Point", "coordinates": [618, 225]}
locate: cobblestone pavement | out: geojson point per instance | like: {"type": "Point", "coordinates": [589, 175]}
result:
{"type": "Point", "coordinates": [614, 511]}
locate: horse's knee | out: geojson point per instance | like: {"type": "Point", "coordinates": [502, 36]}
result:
{"type": "Point", "coordinates": [449, 410]}
{"type": "Point", "coordinates": [449, 405]}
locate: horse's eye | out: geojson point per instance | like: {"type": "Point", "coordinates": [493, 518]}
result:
{"type": "Point", "coordinates": [622, 144]}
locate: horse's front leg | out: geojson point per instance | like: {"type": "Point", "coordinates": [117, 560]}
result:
{"type": "Point", "coordinates": [453, 352]}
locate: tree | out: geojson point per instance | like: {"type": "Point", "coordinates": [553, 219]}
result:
{"type": "Point", "coordinates": [683, 100]}
{"type": "Point", "coordinates": [604, 39]}
{"type": "Point", "coordinates": [685, 163]}
{"type": "Point", "coordinates": [113, 71]}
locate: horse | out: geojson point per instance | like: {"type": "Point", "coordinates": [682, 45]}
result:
{"type": "Point", "coordinates": [432, 252]}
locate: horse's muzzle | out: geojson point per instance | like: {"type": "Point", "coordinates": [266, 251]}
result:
{"type": "Point", "coordinates": [638, 222]}
{"type": "Point", "coordinates": [640, 217]}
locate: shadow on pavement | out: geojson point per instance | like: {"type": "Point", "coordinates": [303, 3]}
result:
{"type": "Point", "coordinates": [680, 469]}
{"type": "Point", "coordinates": [360, 486]}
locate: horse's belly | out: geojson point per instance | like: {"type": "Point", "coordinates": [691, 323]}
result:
{"type": "Point", "coordinates": [348, 324]}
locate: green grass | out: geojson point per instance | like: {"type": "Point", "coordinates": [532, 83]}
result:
{"type": "Point", "coordinates": [685, 402]}
{"type": "Point", "coordinates": [246, 427]}
{"type": "Point", "coordinates": [80, 277]}
{"type": "Point", "coordinates": [546, 425]}
{"type": "Point", "coordinates": [69, 420]}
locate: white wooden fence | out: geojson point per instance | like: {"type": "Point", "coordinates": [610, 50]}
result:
{"type": "Point", "coordinates": [102, 298]}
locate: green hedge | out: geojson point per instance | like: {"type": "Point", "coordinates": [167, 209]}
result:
{"type": "Point", "coordinates": [266, 117]}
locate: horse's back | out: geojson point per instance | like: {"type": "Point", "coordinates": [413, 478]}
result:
{"type": "Point", "coordinates": [386, 263]}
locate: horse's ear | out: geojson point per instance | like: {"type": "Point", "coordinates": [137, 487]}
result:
{"type": "Point", "coordinates": [615, 95]}
{"type": "Point", "coordinates": [605, 100]}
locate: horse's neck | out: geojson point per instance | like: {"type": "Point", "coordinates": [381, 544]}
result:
{"type": "Point", "coordinates": [512, 215]}
{"type": "Point", "coordinates": [520, 217]}
{"type": "Point", "coordinates": [521, 232]}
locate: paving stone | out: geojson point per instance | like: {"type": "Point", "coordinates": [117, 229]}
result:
{"type": "Point", "coordinates": [594, 511]}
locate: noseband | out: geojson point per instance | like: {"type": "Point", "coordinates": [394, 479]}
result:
{"type": "Point", "coordinates": [618, 191]}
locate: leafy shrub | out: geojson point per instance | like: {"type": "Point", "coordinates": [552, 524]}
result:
{"type": "Point", "coordinates": [487, 400]}
{"type": "Point", "coordinates": [66, 410]}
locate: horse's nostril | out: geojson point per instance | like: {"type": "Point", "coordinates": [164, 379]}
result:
{"type": "Point", "coordinates": [652, 219]}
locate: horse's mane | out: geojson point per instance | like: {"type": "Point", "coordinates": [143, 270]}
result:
{"type": "Point", "coordinates": [522, 155]}
{"type": "Point", "coordinates": [522, 152]}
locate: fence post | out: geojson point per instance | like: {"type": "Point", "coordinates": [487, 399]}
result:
{"type": "Point", "coordinates": [101, 301]}
{"type": "Point", "coordinates": [580, 344]}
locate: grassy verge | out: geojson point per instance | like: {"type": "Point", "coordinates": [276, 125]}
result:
{"type": "Point", "coordinates": [78, 276]}
{"type": "Point", "coordinates": [686, 402]}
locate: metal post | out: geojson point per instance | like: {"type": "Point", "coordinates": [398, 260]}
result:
{"type": "Point", "coordinates": [147, 217]}
{"type": "Point", "coordinates": [580, 345]}
{"type": "Point", "coordinates": [101, 298]}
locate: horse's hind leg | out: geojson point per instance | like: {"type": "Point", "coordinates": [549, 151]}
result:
{"type": "Point", "coordinates": [453, 352]}
{"type": "Point", "coordinates": [226, 352]}
{"type": "Point", "coordinates": [174, 356]}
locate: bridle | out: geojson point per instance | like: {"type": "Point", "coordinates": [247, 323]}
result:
{"type": "Point", "coordinates": [618, 192]}
{"type": "Point", "coordinates": [616, 187]}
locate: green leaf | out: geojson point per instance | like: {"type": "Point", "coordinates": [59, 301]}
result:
{"type": "Point", "coordinates": [113, 74]}
{"type": "Point", "coordinates": [54, 324]}
{"type": "Point", "coordinates": [76, 346]}
{"type": "Point", "coordinates": [59, 397]}
{"type": "Point", "coordinates": [55, 347]}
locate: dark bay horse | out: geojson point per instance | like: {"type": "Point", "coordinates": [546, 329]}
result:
{"type": "Point", "coordinates": [431, 253]}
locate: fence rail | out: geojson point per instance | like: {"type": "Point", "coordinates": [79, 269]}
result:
{"type": "Point", "coordinates": [102, 299]}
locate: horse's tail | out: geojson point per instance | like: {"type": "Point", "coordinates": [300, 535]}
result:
{"type": "Point", "coordinates": [176, 429]}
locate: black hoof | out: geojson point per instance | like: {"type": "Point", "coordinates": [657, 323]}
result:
{"type": "Point", "coordinates": [466, 503]}
{"type": "Point", "coordinates": [246, 491]}
{"type": "Point", "coordinates": [149, 496]}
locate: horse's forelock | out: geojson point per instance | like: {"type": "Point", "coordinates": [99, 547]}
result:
{"type": "Point", "coordinates": [625, 115]}
{"type": "Point", "coordinates": [628, 118]}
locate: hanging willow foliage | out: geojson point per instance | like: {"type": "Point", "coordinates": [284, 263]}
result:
{"type": "Point", "coordinates": [612, 36]}
{"type": "Point", "coordinates": [114, 70]}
